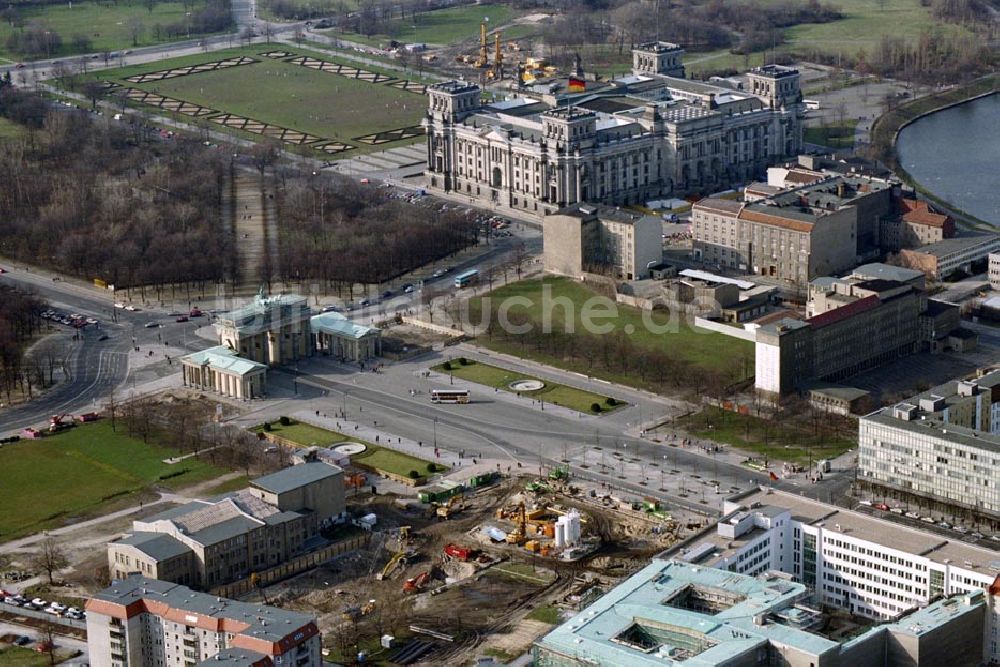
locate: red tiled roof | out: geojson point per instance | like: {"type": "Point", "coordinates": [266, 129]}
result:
{"type": "Point", "coordinates": [844, 312]}
{"type": "Point", "coordinates": [925, 217]}
{"type": "Point", "coordinates": [776, 220]}
{"type": "Point", "coordinates": [803, 176]}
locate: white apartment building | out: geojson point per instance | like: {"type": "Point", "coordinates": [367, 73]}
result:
{"type": "Point", "coordinates": [853, 561]}
{"type": "Point", "coordinates": [140, 622]}
{"type": "Point", "coordinates": [623, 141]}
{"type": "Point", "coordinates": [994, 270]}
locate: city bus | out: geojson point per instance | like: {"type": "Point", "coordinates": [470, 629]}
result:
{"type": "Point", "coordinates": [466, 279]}
{"type": "Point", "coordinates": [450, 396]}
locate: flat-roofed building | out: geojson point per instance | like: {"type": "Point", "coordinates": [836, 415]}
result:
{"type": "Point", "coordinates": [677, 613]}
{"type": "Point", "coordinates": [941, 446]}
{"type": "Point", "coordinates": [143, 622]}
{"type": "Point", "coordinates": [874, 568]}
{"type": "Point", "coordinates": [944, 258]}
{"type": "Point", "coordinates": [993, 269]}
{"type": "Point", "coordinates": [601, 239]}
{"type": "Point", "coordinates": [272, 330]}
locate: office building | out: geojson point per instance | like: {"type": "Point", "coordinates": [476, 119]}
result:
{"type": "Point", "coordinates": [870, 567]}
{"type": "Point", "coordinates": [207, 543]}
{"type": "Point", "coordinates": [855, 324]}
{"type": "Point", "coordinates": [993, 268]}
{"type": "Point", "coordinates": [143, 622]}
{"type": "Point", "coordinates": [271, 330]}
{"type": "Point", "coordinates": [675, 613]}
{"type": "Point", "coordinates": [826, 226]}
{"type": "Point", "coordinates": [601, 239]}
{"type": "Point", "coordinates": [941, 448]}
{"type": "Point", "coordinates": [943, 259]}
{"type": "Point", "coordinates": [916, 224]}
{"type": "Point", "coordinates": [625, 141]}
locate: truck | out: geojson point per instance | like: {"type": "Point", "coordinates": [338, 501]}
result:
{"type": "Point", "coordinates": [459, 552]}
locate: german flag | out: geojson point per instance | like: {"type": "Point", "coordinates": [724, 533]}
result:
{"type": "Point", "coordinates": [577, 85]}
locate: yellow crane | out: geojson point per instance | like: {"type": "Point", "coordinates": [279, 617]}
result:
{"type": "Point", "coordinates": [484, 50]}
{"type": "Point", "coordinates": [516, 536]}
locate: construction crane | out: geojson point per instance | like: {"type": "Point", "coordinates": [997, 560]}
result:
{"type": "Point", "coordinates": [497, 71]}
{"type": "Point", "coordinates": [484, 50]}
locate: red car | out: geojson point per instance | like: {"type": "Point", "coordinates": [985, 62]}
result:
{"type": "Point", "coordinates": [195, 312]}
{"type": "Point", "coordinates": [881, 506]}
{"type": "Point", "coordinates": [182, 318]}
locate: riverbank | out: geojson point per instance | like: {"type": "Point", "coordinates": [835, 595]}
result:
{"type": "Point", "coordinates": [885, 132]}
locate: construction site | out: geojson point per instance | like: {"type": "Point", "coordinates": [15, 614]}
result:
{"type": "Point", "coordinates": [476, 569]}
{"type": "Point", "coordinates": [497, 59]}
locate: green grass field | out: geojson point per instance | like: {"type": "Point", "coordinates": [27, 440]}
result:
{"type": "Point", "coordinates": [323, 104]}
{"type": "Point", "coordinates": [702, 349]}
{"type": "Point", "coordinates": [382, 458]}
{"type": "Point", "coordinates": [778, 441]}
{"type": "Point", "coordinates": [835, 136]}
{"type": "Point", "coordinates": [559, 394]}
{"type": "Point", "coordinates": [441, 26]}
{"type": "Point", "coordinates": [19, 656]}
{"type": "Point", "coordinates": [106, 25]}
{"type": "Point", "coordinates": [305, 435]}
{"type": "Point", "coordinates": [74, 473]}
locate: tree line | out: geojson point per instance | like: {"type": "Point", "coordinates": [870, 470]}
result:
{"type": "Point", "coordinates": [341, 232]}
{"type": "Point", "coordinates": [108, 200]}
{"type": "Point", "coordinates": [19, 323]}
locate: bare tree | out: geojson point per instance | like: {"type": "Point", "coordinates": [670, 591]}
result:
{"type": "Point", "coordinates": [50, 557]}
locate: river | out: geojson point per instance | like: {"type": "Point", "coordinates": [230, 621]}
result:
{"type": "Point", "coordinates": [955, 154]}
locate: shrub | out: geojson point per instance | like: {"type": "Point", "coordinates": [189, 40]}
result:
{"type": "Point", "coordinates": [463, 361]}
{"type": "Point", "coordinates": [447, 365]}
{"type": "Point", "coordinates": [611, 401]}
{"type": "Point", "coordinates": [267, 426]}
{"type": "Point", "coordinates": [285, 421]}
{"type": "Point", "coordinates": [595, 407]}
{"type": "Point", "coordinates": [414, 474]}
{"type": "Point", "coordinates": [431, 467]}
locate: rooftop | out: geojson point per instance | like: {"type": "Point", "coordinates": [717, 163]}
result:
{"type": "Point", "coordinates": [844, 312]}
{"type": "Point", "coordinates": [296, 476]}
{"type": "Point", "coordinates": [337, 324]}
{"type": "Point", "coordinates": [266, 312]}
{"type": "Point", "coordinates": [222, 358]}
{"type": "Point", "coordinates": [887, 272]}
{"type": "Point", "coordinates": [200, 609]}
{"type": "Point", "coordinates": [859, 526]}
{"type": "Point", "coordinates": [157, 546]}
{"type": "Point", "coordinates": [957, 244]}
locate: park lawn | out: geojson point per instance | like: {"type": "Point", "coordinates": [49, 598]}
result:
{"type": "Point", "coordinates": [389, 460]}
{"type": "Point", "coordinates": [264, 8]}
{"type": "Point", "coordinates": [837, 135]}
{"type": "Point", "coordinates": [305, 435]}
{"type": "Point", "coordinates": [558, 394]}
{"type": "Point", "coordinates": [105, 24]}
{"type": "Point", "coordinates": [77, 471]}
{"type": "Point", "coordinates": [441, 26]}
{"type": "Point", "coordinates": [703, 349]}
{"type": "Point", "coordinates": [21, 656]}
{"type": "Point", "coordinates": [546, 614]}
{"type": "Point", "coordinates": [320, 103]}
{"type": "Point", "coordinates": [375, 456]}
{"type": "Point", "coordinates": [782, 441]}
{"type": "Point", "coordinates": [229, 486]}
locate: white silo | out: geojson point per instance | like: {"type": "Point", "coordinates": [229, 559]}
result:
{"type": "Point", "coordinates": [560, 534]}
{"type": "Point", "coordinates": [572, 527]}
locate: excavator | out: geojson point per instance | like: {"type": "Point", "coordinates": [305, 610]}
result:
{"type": "Point", "coordinates": [445, 511]}
{"type": "Point", "coordinates": [398, 558]}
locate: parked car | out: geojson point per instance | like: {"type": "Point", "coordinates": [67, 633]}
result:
{"type": "Point", "coordinates": [152, 325]}
{"type": "Point", "coordinates": [23, 640]}
{"type": "Point", "coordinates": [39, 602]}
{"type": "Point", "coordinates": [196, 312]}
{"type": "Point", "coordinates": [131, 308]}
{"type": "Point", "coordinates": [438, 273]}
{"type": "Point", "coordinates": [182, 318]}
{"type": "Point", "coordinates": [408, 288]}
{"type": "Point", "coordinates": [881, 506]}
{"type": "Point", "coordinates": [386, 294]}
{"type": "Point", "coordinates": [364, 303]}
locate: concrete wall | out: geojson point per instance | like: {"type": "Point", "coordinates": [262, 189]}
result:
{"type": "Point", "coordinates": [726, 329]}
{"type": "Point", "coordinates": [562, 239]}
